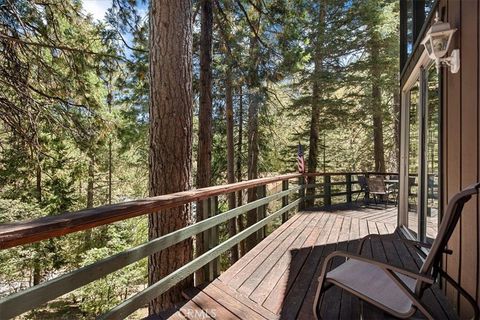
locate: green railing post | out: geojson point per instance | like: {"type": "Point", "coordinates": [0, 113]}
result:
{"type": "Point", "coordinates": [327, 190]}
{"type": "Point", "coordinates": [214, 266]}
{"type": "Point", "coordinates": [261, 211]}
{"type": "Point", "coordinates": [285, 200]}
{"type": "Point", "coordinates": [301, 193]}
{"type": "Point", "coordinates": [210, 240]}
{"type": "Point", "coordinates": [348, 179]}
{"type": "Point", "coordinates": [367, 194]}
{"type": "Point", "coordinates": [202, 241]}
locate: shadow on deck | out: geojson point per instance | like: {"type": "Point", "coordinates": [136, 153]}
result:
{"type": "Point", "coordinates": [277, 279]}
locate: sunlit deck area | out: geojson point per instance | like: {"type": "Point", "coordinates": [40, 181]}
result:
{"type": "Point", "coordinates": [277, 279]}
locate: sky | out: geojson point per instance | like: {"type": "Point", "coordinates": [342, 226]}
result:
{"type": "Point", "coordinates": [97, 8]}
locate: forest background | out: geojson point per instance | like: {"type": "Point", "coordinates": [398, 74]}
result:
{"type": "Point", "coordinates": [75, 120]}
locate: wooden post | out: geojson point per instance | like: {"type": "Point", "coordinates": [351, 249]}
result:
{"type": "Point", "coordinates": [214, 266]}
{"type": "Point", "coordinates": [348, 179]}
{"type": "Point", "coordinates": [367, 195]}
{"type": "Point", "coordinates": [210, 240]}
{"type": "Point", "coordinates": [203, 243]}
{"type": "Point", "coordinates": [284, 200]}
{"type": "Point", "coordinates": [261, 211]}
{"type": "Point", "coordinates": [327, 190]}
{"type": "Point", "coordinates": [301, 193]}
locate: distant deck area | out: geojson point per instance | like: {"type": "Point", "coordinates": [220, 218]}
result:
{"type": "Point", "coordinates": [277, 279]}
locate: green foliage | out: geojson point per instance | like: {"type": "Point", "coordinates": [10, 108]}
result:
{"type": "Point", "coordinates": [75, 110]}
{"type": "Point", "coordinates": [17, 264]}
{"type": "Point", "coordinates": [104, 294]}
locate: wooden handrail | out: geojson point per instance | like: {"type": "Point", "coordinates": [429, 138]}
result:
{"type": "Point", "coordinates": [319, 174]}
{"type": "Point", "coordinates": [24, 232]}
{"type": "Point", "coordinates": [28, 299]}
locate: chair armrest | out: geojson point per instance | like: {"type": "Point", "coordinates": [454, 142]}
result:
{"type": "Point", "coordinates": [392, 236]}
{"type": "Point", "coordinates": [372, 236]}
{"type": "Point", "coordinates": [417, 244]}
{"type": "Point", "coordinates": [386, 267]}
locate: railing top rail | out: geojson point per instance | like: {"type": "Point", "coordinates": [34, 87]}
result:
{"type": "Point", "coordinates": [353, 173]}
{"type": "Point", "coordinates": [24, 232]}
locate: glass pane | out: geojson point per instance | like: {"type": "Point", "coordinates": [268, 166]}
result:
{"type": "Point", "coordinates": [413, 159]}
{"type": "Point", "coordinates": [428, 6]}
{"type": "Point", "coordinates": [432, 156]}
{"type": "Point", "coordinates": [409, 26]}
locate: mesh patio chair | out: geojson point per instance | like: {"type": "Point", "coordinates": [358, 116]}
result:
{"type": "Point", "coordinates": [362, 181]}
{"type": "Point", "coordinates": [396, 290]}
{"type": "Point", "coordinates": [376, 187]}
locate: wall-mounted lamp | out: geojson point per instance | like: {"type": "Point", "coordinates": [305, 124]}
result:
{"type": "Point", "coordinates": [437, 42]}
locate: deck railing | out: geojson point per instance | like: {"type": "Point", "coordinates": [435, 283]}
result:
{"type": "Point", "coordinates": [337, 185]}
{"type": "Point", "coordinates": [27, 232]}
{"type": "Point", "coordinates": [20, 233]}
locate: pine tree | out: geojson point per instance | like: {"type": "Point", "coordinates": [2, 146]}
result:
{"type": "Point", "coordinates": [170, 159]}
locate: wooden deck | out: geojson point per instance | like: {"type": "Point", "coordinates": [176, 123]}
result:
{"type": "Point", "coordinates": [277, 279]}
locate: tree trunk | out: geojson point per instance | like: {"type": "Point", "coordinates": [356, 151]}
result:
{"type": "Point", "coordinates": [39, 180]}
{"type": "Point", "coordinates": [226, 33]}
{"type": "Point", "coordinates": [232, 226]}
{"type": "Point", "coordinates": [253, 148]}
{"type": "Point", "coordinates": [37, 268]}
{"type": "Point", "coordinates": [204, 153]}
{"type": "Point", "coordinates": [87, 236]}
{"type": "Point", "coordinates": [170, 158]}
{"type": "Point", "coordinates": [91, 181]}
{"type": "Point", "coordinates": [241, 225]}
{"type": "Point", "coordinates": [239, 143]}
{"type": "Point", "coordinates": [376, 102]}
{"type": "Point", "coordinates": [110, 168]}
{"type": "Point", "coordinates": [316, 97]}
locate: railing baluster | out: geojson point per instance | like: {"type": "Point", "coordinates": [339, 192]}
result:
{"type": "Point", "coordinates": [348, 180]}
{"type": "Point", "coordinates": [327, 190]}
{"type": "Point", "coordinates": [203, 243]}
{"type": "Point", "coordinates": [285, 200]}
{"type": "Point", "coordinates": [213, 266]}
{"type": "Point", "coordinates": [367, 194]}
{"type": "Point", "coordinates": [261, 211]}
{"type": "Point", "coordinates": [301, 193]}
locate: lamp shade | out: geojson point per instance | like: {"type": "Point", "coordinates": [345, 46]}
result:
{"type": "Point", "coordinates": [437, 40]}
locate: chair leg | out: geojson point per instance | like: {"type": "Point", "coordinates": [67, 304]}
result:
{"type": "Point", "coordinates": [423, 309]}
{"type": "Point", "coordinates": [318, 297]}
{"type": "Point", "coordinates": [322, 289]}
{"type": "Point", "coordinates": [464, 293]}
{"type": "Point", "coordinates": [358, 196]}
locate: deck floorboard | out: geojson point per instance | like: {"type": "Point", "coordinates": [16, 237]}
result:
{"type": "Point", "coordinates": [277, 279]}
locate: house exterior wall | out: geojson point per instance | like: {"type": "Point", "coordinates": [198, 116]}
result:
{"type": "Point", "coordinates": [460, 142]}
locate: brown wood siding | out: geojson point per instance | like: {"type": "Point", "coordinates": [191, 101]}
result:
{"type": "Point", "coordinates": [460, 142]}
{"type": "Point", "coordinates": [454, 151]}
{"type": "Point", "coordinates": [469, 135]}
